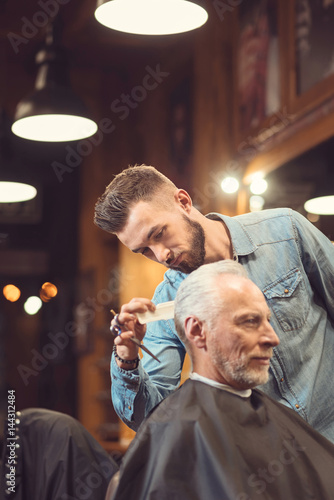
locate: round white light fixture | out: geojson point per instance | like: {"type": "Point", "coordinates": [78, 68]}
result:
{"type": "Point", "coordinates": [13, 192]}
{"type": "Point", "coordinates": [258, 186]}
{"type": "Point", "coordinates": [150, 17]}
{"type": "Point", "coordinates": [230, 185]}
{"type": "Point", "coordinates": [323, 205]}
{"type": "Point", "coordinates": [54, 128]}
{"type": "Point", "coordinates": [32, 305]}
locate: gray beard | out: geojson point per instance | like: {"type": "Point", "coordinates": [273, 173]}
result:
{"type": "Point", "coordinates": [238, 371]}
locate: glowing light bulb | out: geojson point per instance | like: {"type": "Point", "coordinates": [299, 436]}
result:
{"type": "Point", "coordinates": [32, 305]}
{"type": "Point", "coordinates": [258, 186]}
{"type": "Point", "coordinates": [48, 291]}
{"type": "Point", "coordinates": [230, 185]}
{"type": "Point", "coordinates": [11, 293]}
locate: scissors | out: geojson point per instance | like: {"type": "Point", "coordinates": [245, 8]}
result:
{"type": "Point", "coordinates": [117, 330]}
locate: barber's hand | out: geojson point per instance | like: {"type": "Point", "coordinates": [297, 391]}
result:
{"type": "Point", "coordinates": [131, 328]}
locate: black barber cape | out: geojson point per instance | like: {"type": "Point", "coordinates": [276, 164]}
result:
{"type": "Point", "coordinates": [203, 443]}
{"type": "Point", "coordinates": [55, 459]}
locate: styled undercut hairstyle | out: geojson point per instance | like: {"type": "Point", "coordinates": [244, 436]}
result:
{"type": "Point", "coordinates": [198, 294]}
{"type": "Point", "coordinates": [134, 184]}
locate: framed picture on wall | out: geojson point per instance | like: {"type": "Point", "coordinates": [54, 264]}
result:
{"type": "Point", "coordinates": [312, 53]}
{"type": "Point", "coordinates": [257, 66]}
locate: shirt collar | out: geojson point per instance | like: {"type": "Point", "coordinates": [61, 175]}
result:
{"type": "Point", "coordinates": [243, 394]}
{"type": "Point", "coordinates": [241, 240]}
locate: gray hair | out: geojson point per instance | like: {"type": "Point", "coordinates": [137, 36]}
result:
{"type": "Point", "coordinates": [199, 291]}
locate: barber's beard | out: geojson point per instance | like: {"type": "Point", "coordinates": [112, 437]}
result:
{"type": "Point", "coordinates": [239, 370]}
{"type": "Point", "coordinates": [195, 257]}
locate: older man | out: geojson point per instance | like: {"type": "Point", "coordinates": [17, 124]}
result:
{"type": "Point", "coordinates": [284, 254]}
{"type": "Point", "coordinates": [217, 437]}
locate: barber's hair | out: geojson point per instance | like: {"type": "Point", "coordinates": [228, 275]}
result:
{"type": "Point", "coordinates": [199, 295]}
{"type": "Point", "coordinates": [134, 184]}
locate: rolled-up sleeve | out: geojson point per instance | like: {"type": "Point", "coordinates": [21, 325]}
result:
{"type": "Point", "coordinates": [136, 392]}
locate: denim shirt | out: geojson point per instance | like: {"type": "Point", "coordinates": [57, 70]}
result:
{"type": "Point", "coordinates": [292, 262]}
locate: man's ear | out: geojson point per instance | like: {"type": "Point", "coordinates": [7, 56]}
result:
{"type": "Point", "coordinates": [195, 332]}
{"type": "Point", "coordinates": [183, 199]}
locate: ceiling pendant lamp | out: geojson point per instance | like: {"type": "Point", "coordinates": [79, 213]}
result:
{"type": "Point", "coordinates": [151, 17]}
{"type": "Point", "coordinates": [52, 113]}
{"type": "Point", "coordinates": [12, 190]}
{"type": "Point", "coordinates": [322, 200]}
{"type": "Point", "coordinates": [321, 205]}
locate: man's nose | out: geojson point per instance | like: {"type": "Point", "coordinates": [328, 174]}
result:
{"type": "Point", "coordinates": [269, 336]}
{"type": "Point", "coordinates": [162, 254]}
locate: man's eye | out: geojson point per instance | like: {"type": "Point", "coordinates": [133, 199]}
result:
{"type": "Point", "coordinates": [160, 233]}
{"type": "Point", "coordinates": [251, 321]}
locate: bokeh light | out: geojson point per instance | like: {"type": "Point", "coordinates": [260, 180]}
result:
{"type": "Point", "coordinates": [256, 203]}
{"type": "Point", "coordinates": [32, 305]}
{"type": "Point", "coordinates": [48, 291]}
{"type": "Point", "coordinates": [258, 186]}
{"type": "Point", "coordinates": [230, 185]}
{"type": "Point", "coordinates": [11, 293]}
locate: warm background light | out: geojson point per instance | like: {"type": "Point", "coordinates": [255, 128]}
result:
{"type": "Point", "coordinates": [11, 293]}
{"type": "Point", "coordinates": [258, 186]}
{"type": "Point", "coordinates": [48, 291]}
{"type": "Point", "coordinates": [230, 185]}
{"type": "Point", "coordinates": [313, 217]}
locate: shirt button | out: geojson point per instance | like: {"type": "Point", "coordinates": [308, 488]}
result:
{"type": "Point", "coordinates": [129, 407]}
{"type": "Point", "coordinates": [282, 379]}
{"type": "Point", "coordinates": [297, 406]}
{"type": "Point", "coordinates": [286, 291]}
